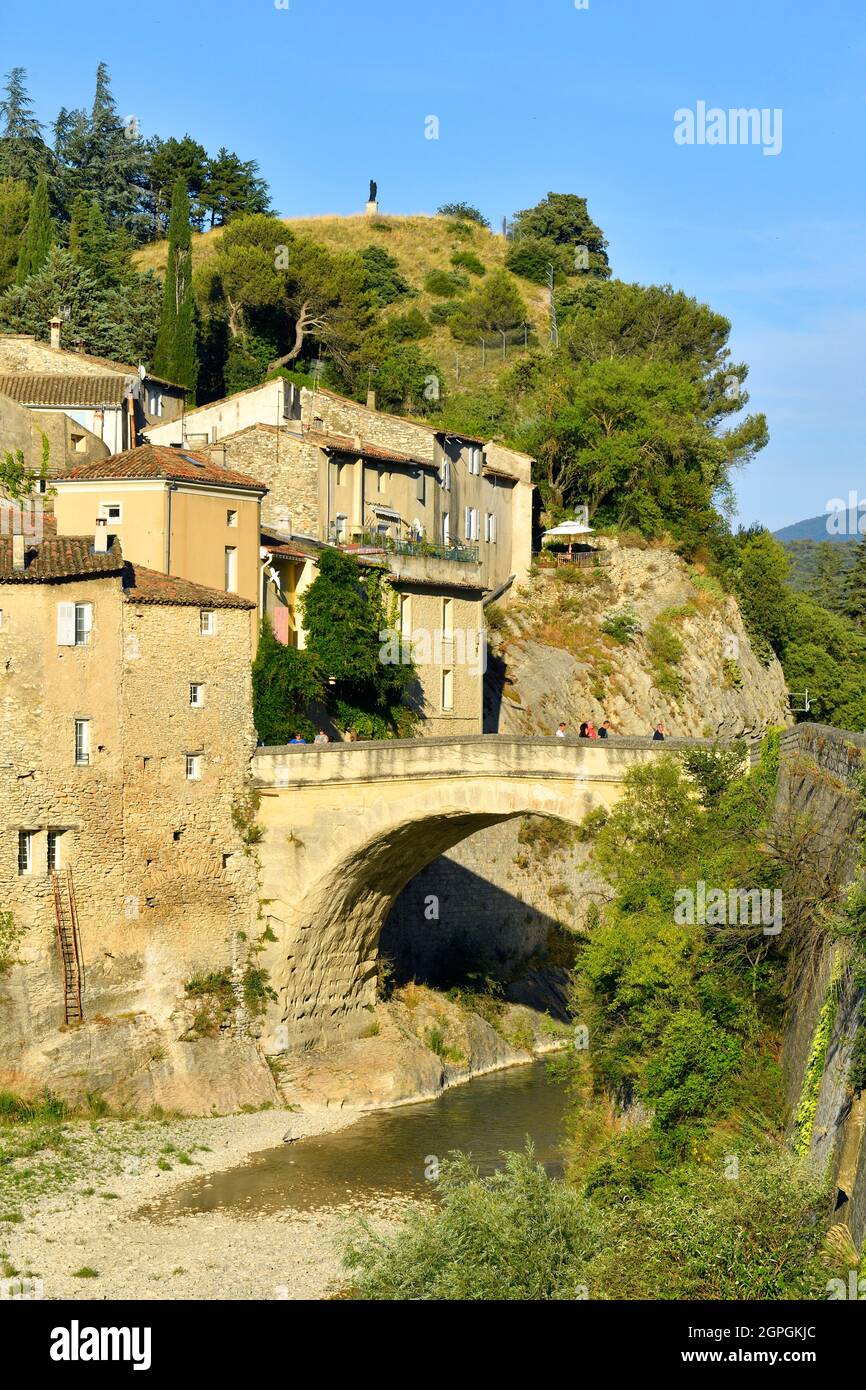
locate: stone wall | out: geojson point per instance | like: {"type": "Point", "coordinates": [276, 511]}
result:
{"type": "Point", "coordinates": [164, 886]}
{"type": "Point", "coordinates": [818, 800]}
{"type": "Point", "coordinates": [287, 465]}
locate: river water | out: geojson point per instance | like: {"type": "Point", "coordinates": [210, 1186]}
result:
{"type": "Point", "coordinates": [387, 1152]}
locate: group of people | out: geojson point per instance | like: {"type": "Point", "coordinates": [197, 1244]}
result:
{"type": "Point", "coordinates": [588, 730]}
{"type": "Point", "coordinates": [322, 737]}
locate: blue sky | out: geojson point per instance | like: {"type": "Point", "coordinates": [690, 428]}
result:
{"type": "Point", "coordinates": [533, 96]}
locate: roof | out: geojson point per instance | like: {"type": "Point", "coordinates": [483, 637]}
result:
{"type": "Point", "coordinates": [63, 388]}
{"type": "Point", "coordinates": [58, 558]}
{"type": "Point", "coordinates": [142, 585]}
{"type": "Point", "coordinates": [161, 462]}
{"type": "Point", "coordinates": [116, 368]}
{"type": "Point", "coordinates": [490, 472]}
{"type": "Point", "coordinates": [344, 444]}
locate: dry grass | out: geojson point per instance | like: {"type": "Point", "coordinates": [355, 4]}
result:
{"type": "Point", "coordinates": [420, 244]}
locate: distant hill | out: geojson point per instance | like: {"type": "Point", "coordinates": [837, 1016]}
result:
{"type": "Point", "coordinates": [818, 571]}
{"type": "Point", "coordinates": [815, 528]}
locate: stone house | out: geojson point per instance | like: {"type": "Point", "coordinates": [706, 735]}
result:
{"type": "Point", "coordinates": [173, 511]}
{"type": "Point", "coordinates": [87, 406]}
{"type": "Point", "coordinates": [449, 515]}
{"type": "Point", "coordinates": [125, 742]}
{"type": "Point", "coordinates": [340, 471]}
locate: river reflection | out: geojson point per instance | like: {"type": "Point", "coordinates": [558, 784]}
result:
{"type": "Point", "coordinates": [385, 1153]}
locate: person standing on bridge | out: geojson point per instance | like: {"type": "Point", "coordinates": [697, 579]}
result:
{"type": "Point", "coordinates": [297, 739]}
{"type": "Point", "coordinates": [604, 731]}
{"type": "Point", "coordinates": [659, 734]}
{"type": "Point", "coordinates": [591, 730]}
{"type": "Point", "coordinates": [560, 733]}
{"type": "Point", "coordinates": [321, 737]}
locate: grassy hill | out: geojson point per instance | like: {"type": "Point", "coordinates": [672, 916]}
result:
{"type": "Point", "coordinates": [420, 245]}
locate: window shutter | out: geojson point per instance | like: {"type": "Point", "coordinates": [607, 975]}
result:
{"type": "Point", "coordinates": [66, 624]}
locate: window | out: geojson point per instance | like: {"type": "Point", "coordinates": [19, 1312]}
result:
{"type": "Point", "coordinates": [384, 480]}
{"type": "Point", "coordinates": [231, 518]}
{"type": "Point", "coordinates": [490, 528]}
{"type": "Point", "coordinates": [447, 690]}
{"type": "Point", "coordinates": [193, 767]}
{"type": "Point", "coordinates": [196, 695]}
{"type": "Point", "coordinates": [25, 852]}
{"type": "Point", "coordinates": [445, 475]}
{"type": "Point", "coordinates": [231, 569]}
{"type": "Point", "coordinates": [475, 460]}
{"type": "Point", "coordinates": [405, 615]}
{"type": "Point", "coordinates": [471, 524]}
{"type": "Point", "coordinates": [1, 619]}
{"type": "Point", "coordinates": [422, 486]}
{"type": "Point", "coordinates": [82, 742]}
{"type": "Point", "coordinates": [74, 624]}
{"type": "Point", "coordinates": [53, 846]}
{"type": "Point", "coordinates": [342, 526]}
{"type": "Point", "coordinates": [446, 529]}
{"type": "Point", "coordinates": [78, 443]}
{"type": "Point", "coordinates": [42, 485]}
{"type": "Point", "coordinates": [207, 622]}
{"type": "Point", "coordinates": [154, 403]}
{"type": "Point", "coordinates": [448, 619]}
{"type": "Point", "coordinates": [111, 511]}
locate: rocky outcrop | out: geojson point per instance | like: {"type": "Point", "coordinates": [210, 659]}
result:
{"type": "Point", "coordinates": [553, 661]}
{"type": "Point", "coordinates": [418, 1045]}
{"type": "Point", "coordinates": [131, 1063]}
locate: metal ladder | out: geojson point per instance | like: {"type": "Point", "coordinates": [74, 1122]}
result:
{"type": "Point", "coordinates": [66, 915]}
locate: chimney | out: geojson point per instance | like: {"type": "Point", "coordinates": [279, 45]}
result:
{"type": "Point", "coordinates": [18, 551]}
{"type": "Point", "coordinates": [100, 540]}
{"type": "Point", "coordinates": [55, 325]}
{"type": "Point", "coordinates": [371, 400]}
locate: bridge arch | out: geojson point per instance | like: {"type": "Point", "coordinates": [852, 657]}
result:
{"type": "Point", "coordinates": [346, 827]}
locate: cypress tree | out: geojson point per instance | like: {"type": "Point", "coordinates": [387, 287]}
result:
{"type": "Point", "coordinates": [175, 356]}
{"type": "Point", "coordinates": [38, 234]}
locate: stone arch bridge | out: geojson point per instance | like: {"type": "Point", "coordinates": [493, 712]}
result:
{"type": "Point", "coordinates": [347, 825]}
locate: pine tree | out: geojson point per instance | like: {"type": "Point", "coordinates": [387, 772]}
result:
{"type": "Point", "coordinates": [77, 226]}
{"type": "Point", "coordinates": [827, 585]}
{"type": "Point", "coordinates": [175, 357]}
{"type": "Point", "coordinates": [23, 153]}
{"type": "Point", "coordinates": [38, 234]}
{"type": "Point", "coordinates": [854, 601]}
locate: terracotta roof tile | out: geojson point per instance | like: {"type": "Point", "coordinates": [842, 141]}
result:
{"type": "Point", "coordinates": [58, 558]}
{"type": "Point", "coordinates": [142, 585]}
{"type": "Point", "coordinates": [64, 389]}
{"type": "Point", "coordinates": [159, 461]}
{"type": "Point", "coordinates": [342, 442]}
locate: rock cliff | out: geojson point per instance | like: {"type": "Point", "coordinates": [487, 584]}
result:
{"type": "Point", "coordinates": [642, 639]}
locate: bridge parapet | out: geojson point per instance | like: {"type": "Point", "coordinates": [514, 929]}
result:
{"type": "Point", "coordinates": [477, 755]}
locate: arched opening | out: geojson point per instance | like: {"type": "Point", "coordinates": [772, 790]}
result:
{"type": "Point", "coordinates": [326, 963]}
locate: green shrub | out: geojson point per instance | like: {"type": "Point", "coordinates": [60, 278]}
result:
{"type": "Point", "coordinates": [406, 327]}
{"type": "Point", "coordinates": [621, 624]}
{"type": "Point", "coordinates": [467, 260]}
{"type": "Point", "coordinates": [445, 283]}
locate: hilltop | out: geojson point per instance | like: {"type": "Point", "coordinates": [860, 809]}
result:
{"type": "Point", "coordinates": [420, 244]}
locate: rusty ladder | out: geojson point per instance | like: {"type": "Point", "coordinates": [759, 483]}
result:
{"type": "Point", "coordinates": [66, 914]}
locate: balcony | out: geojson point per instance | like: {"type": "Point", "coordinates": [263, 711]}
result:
{"type": "Point", "coordinates": [461, 554]}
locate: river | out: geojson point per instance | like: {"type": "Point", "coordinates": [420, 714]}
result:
{"type": "Point", "coordinates": [387, 1152]}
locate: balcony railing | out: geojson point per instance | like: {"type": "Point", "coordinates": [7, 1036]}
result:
{"type": "Point", "coordinates": [460, 553]}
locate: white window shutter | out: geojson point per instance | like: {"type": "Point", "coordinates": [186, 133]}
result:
{"type": "Point", "coordinates": [66, 624]}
